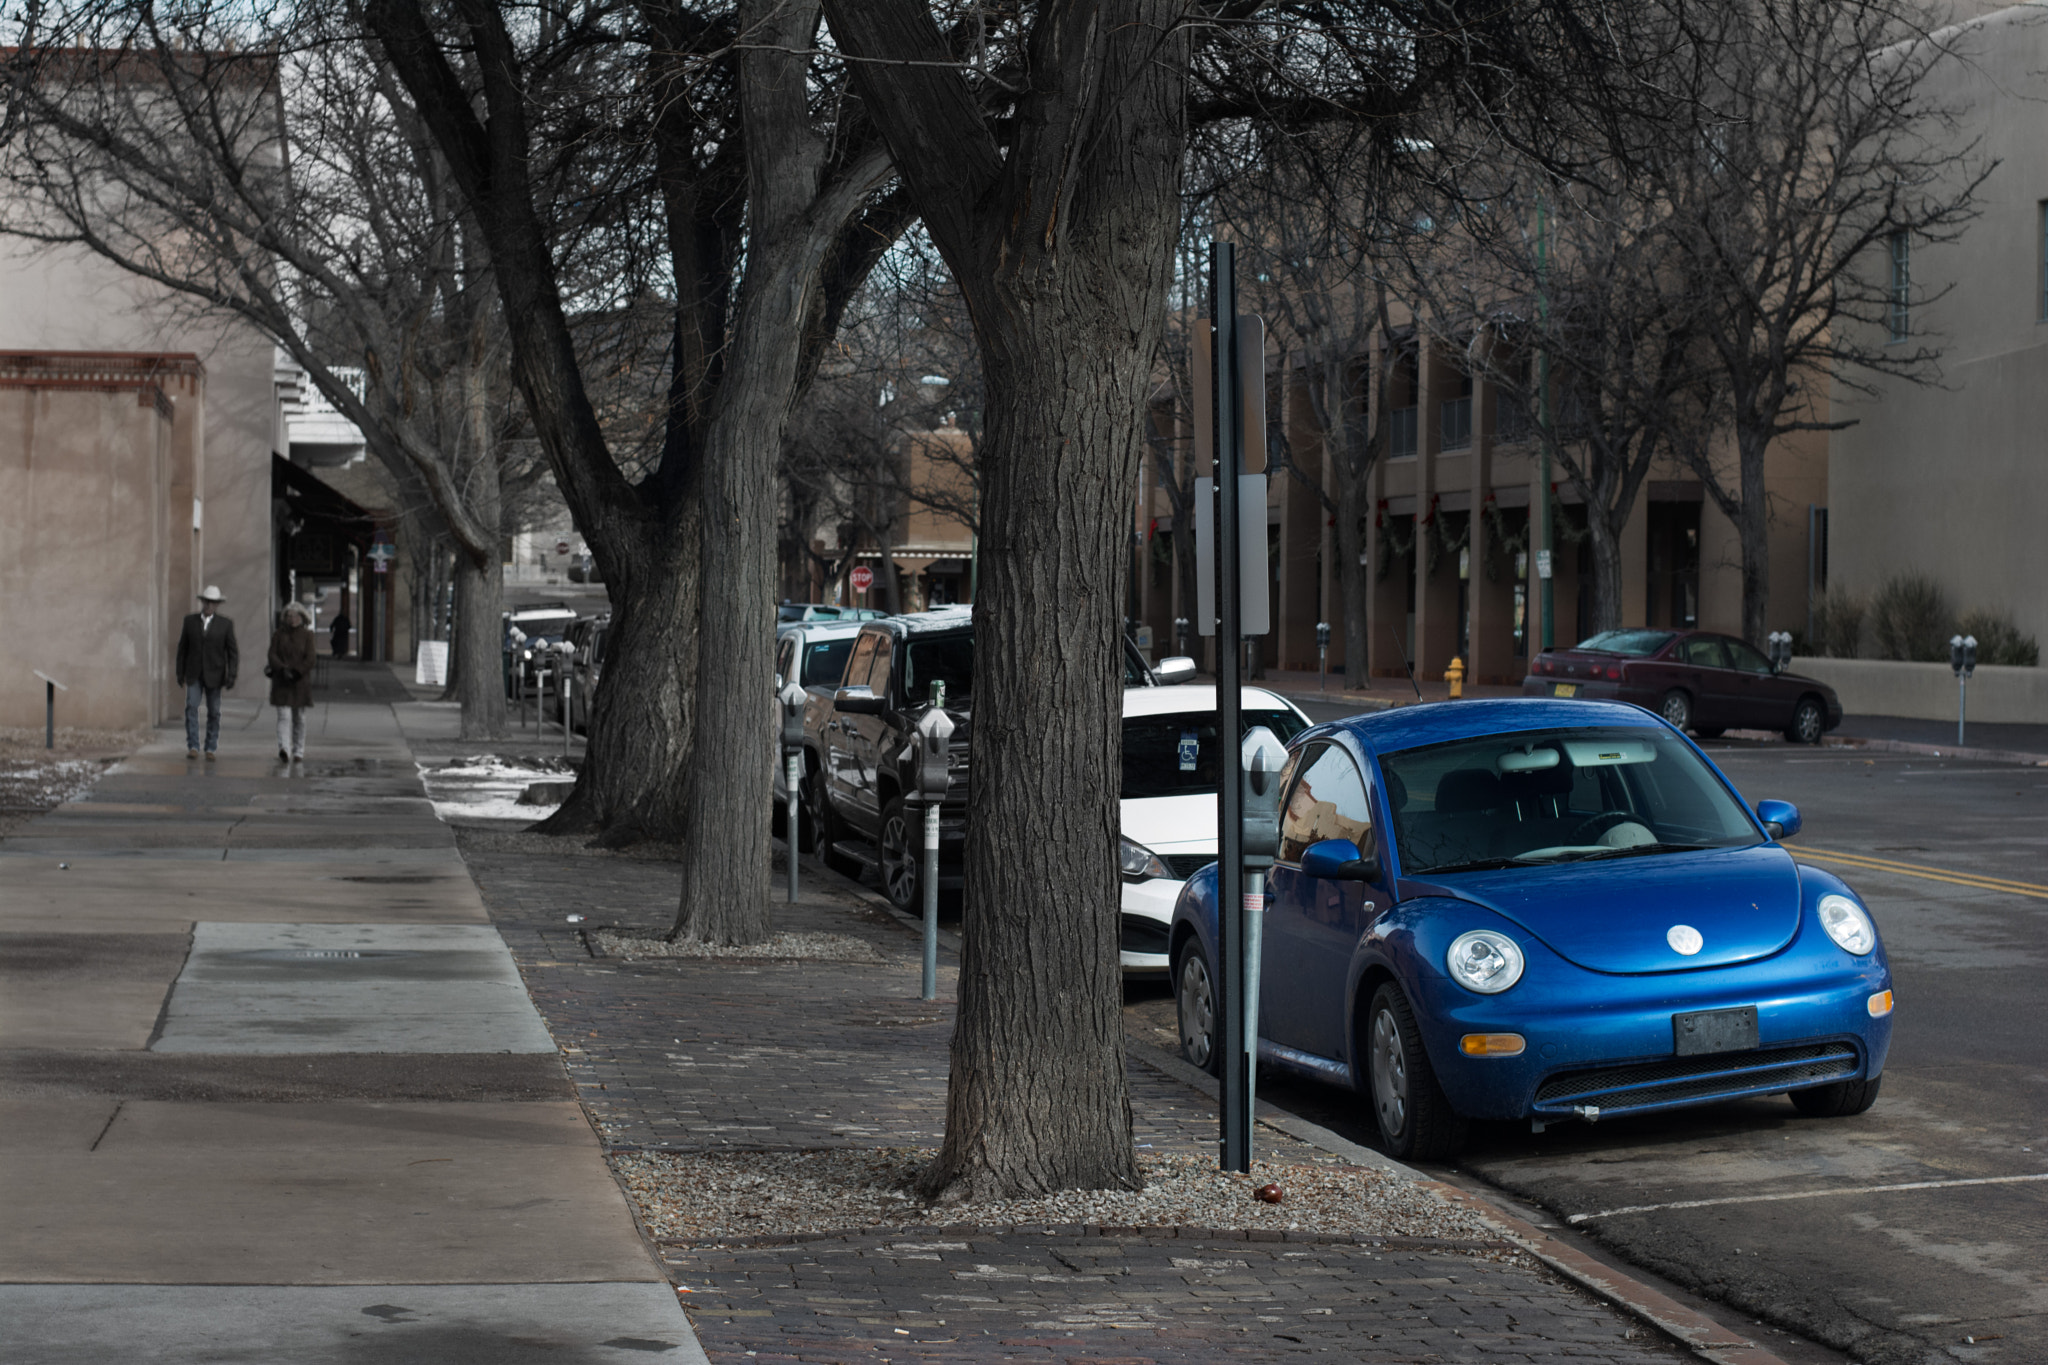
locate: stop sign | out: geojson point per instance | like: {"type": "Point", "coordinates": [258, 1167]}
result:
{"type": "Point", "coordinates": [862, 578]}
{"type": "Point", "coordinates": [561, 547]}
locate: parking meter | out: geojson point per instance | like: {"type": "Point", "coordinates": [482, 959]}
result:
{"type": "Point", "coordinates": [1962, 658]}
{"type": "Point", "coordinates": [565, 652]}
{"type": "Point", "coordinates": [791, 699]}
{"type": "Point", "coordinates": [1781, 650]}
{"type": "Point", "coordinates": [1180, 633]}
{"type": "Point", "coordinates": [934, 776]}
{"type": "Point", "coordinates": [1263, 757]}
{"type": "Point", "coordinates": [1323, 655]}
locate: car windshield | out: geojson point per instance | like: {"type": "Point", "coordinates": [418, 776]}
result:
{"type": "Point", "coordinates": [1178, 754]}
{"type": "Point", "coordinates": [1638, 642]}
{"type": "Point", "coordinates": [825, 661]}
{"type": "Point", "coordinates": [1547, 796]}
{"type": "Point", "coordinates": [949, 659]}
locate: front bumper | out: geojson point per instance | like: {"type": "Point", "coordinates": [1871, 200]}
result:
{"type": "Point", "coordinates": [1144, 920]}
{"type": "Point", "coordinates": [1610, 1051]}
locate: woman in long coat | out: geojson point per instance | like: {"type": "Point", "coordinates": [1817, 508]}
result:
{"type": "Point", "coordinates": [291, 682]}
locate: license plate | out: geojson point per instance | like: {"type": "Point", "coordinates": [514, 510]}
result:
{"type": "Point", "coordinates": [1715, 1031]}
{"type": "Point", "coordinates": [1564, 689]}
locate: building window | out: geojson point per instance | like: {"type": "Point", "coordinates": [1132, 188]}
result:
{"type": "Point", "coordinates": [1454, 416]}
{"type": "Point", "coordinates": [1899, 285]}
{"type": "Point", "coordinates": [1402, 436]}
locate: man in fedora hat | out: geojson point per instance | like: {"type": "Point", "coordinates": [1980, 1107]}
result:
{"type": "Point", "coordinates": [208, 660]}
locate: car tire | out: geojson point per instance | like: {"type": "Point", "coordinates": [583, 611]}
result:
{"type": "Point", "coordinates": [901, 846]}
{"type": "Point", "coordinates": [1809, 722]}
{"type": "Point", "coordinates": [831, 832]}
{"type": "Point", "coordinates": [1416, 1121]}
{"type": "Point", "coordinates": [1194, 1005]}
{"type": "Point", "coordinates": [1676, 708]}
{"type": "Point", "coordinates": [1837, 1101]}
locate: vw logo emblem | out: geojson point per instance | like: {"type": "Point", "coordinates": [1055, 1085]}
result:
{"type": "Point", "coordinates": [1684, 939]}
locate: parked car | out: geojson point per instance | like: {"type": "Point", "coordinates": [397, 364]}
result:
{"type": "Point", "coordinates": [1543, 910]}
{"type": "Point", "coordinates": [1697, 680]}
{"type": "Point", "coordinates": [857, 760]}
{"type": "Point", "coordinates": [813, 654]}
{"type": "Point", "coordinates": [819, 611]}
{"type": "Point", "coordinates": [586, 667]}
{"type": "Point", "coordinates": [1167, 808]}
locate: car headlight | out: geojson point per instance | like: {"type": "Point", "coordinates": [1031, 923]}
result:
{"type": "Point", "coordinates": [1137, 862]}
{"type": "Point", "coordinates": [1484, 961]}
{"type": "Point", "coordinates": [1847, 925]}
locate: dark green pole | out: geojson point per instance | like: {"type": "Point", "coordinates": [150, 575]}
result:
{"type": "Point", "coordinates": [1549, 597]}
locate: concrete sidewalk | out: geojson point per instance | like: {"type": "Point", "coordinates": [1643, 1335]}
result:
{"type": "Point", "coordinates": [271, 1088]}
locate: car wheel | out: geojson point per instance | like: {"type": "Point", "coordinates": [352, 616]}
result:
{"type": "Point", "coordinates": [1809, 722]}
{"type": "Point", "coordinates": [1837, 1101]}
{"type": "Point", "coordinates": [1676, 708]}
{"type": "Point", "coordinates": [902, 857]}
{"type": "Point", "coordinates": [807, 821]}
{"type": "Point", "coordinates": [830, 831]}
{"type": "Point", "coordinates": [1416, 1121]}
{"type": "Point", "coordinates": [1194, 998]}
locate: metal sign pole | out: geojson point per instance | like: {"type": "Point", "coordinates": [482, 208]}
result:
{"type": "Point", "coordinates": [1229, 439]}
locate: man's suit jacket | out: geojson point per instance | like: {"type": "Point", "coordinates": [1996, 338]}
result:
{"type": "Point", "coordinates": [208, 653]}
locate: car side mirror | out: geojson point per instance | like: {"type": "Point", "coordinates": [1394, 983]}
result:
{"type": "Point", "coordinates": [1780, 818]}
{"type": "Point", "coordinates": [857, 701]}
{"type": "Point", "coordinates": [1170, 671]}
{"type": "Point", "coordinates": [1339, 860]}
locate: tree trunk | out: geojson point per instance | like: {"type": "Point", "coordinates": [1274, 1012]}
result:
{"type": "Point", "coordinates": [1606, 543]}
{"type": "Point", "coordinates": [1037, 1100]}
{"type": "Point", "coordinates": [1752, 526]}
{"type": "Point", "coordinates": [630, 786]}
{"type": "Point", "coordinates": [475, 654]}
{"type": "Point", "coordinates": [1354, 575]}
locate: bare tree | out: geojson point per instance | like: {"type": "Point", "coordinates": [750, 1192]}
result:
{"type": "Point", "coordinates": [1579, 285]}
{"type": "Point", "coordinates": [727, 130]}
{"type": "Point", "coordinates": [290, 186]}
{"type": "Point", "coordinates": [1044, 148]}
{"type": "Point", "coordinates": [1811, 159]}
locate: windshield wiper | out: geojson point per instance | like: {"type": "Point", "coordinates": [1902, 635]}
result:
{"type": "Point", "coordinates": [1634, 850]}
{"type": "Point", "coordinates": [1477, 865]}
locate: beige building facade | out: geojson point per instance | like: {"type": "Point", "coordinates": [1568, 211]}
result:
{"type": "Point", "coordinates": [1452, 557]}
{"type": "Point", "coordinates": [135, 468]}
{"type": "Point", "coordinates": [1949, 479]}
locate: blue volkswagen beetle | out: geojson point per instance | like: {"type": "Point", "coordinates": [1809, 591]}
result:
{"type": "Point", "coordinates": [1542, 910]}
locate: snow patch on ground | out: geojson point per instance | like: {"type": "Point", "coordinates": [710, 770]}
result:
{"type": "Point", "coordinates": [486, 788]}
{"type": "Point", "coordinates": [791, 946]}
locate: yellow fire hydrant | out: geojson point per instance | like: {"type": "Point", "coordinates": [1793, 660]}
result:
{"type": "Point", "coordinates": [1455, 676]}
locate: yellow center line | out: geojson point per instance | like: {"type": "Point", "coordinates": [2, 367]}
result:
{"type": "Point", "coordinates": [1973, 880]}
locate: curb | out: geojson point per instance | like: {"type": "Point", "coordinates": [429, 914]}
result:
{"type": "Point", "coordinates": [1706, 1338]}
{"type": "Point", "coordinates": [1902, 746]}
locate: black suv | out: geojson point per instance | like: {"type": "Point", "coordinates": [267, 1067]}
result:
{"type": "Point", "coordinates": [860, 749]}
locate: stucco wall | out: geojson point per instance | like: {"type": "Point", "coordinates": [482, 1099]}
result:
{"type": "Point", "coordinates": [63, 300]}
{"type": "Point", "coordinates": [85, 566]}
{"type": "Point", "coordinates": [1950, 479]}
{"type": "Point", "coordinates": [1881, 687]}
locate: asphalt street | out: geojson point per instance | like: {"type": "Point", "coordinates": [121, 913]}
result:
{"type": "Point", "coordinates": [1917, 1232]}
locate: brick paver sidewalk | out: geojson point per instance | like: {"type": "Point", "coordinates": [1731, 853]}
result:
{"type": "Point", "coordinates": [759, 1055]}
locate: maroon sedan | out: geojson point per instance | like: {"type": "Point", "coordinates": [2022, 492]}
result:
{"type": "Point", "coordinates": [1698, 681]}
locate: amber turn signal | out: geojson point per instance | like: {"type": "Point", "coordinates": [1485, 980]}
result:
{"type": "Point", "coordinates": [1879, 1005]}
{"type": "Point", "coordinates": [1491, 1044]}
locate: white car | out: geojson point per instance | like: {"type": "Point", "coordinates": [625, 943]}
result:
{"type": "Point", "coordinates": [1168, 810]}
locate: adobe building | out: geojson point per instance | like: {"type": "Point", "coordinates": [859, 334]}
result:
{"type": "Point", "coordinates": [1948, 479]}
{"type": "Point", "coordinates": [140, 449]}
{"type": "Point", "coordinates": [135, 453]}
{"type": "Point", "coordinates": [1451, 553]}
